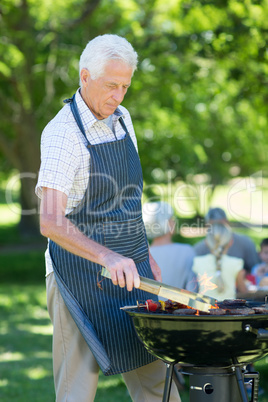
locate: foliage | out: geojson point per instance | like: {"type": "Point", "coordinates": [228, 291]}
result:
{"type": "Point", "coordinates": [198, 100]}
{"type": "Point", "coordinates": [201, 107]}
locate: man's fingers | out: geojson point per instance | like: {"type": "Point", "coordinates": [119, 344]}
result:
{"type": "Point", "coordinates": [129, 277]}
{"type": "Point", "coordinates": [121, 278]}
{"type": "Point", "coordinates": [114, 277]}
{"type": "Point", "coordinates": [137, 281]}
{"type": "Point", "coordinates": [124, 273]}
{"type": "Point", "coordinates": [118, 277]}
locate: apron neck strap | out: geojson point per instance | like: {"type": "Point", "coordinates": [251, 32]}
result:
{"type": "Point", "coordinates": [78, 120]}
{"type": "Point", "coordinates": [121, 121]}
{"type": "Point", "coordinates": [76, 115]}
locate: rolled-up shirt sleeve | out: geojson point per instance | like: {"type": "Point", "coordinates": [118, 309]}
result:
{"type": "Point", "coordinates": [59, 160]}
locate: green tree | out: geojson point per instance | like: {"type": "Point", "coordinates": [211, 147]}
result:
{"type": "Point", "coordinates": [198, 100]}
{"type": "Point", "coordinates": [202, 90]}
{"type": "Point", "coordinates": [207, 91]}
{"type": "Point", "coordinates": [38, 64]}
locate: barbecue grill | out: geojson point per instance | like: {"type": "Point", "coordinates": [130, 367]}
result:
{"type": "Point", "coordinates": [211, 347]}
{"type": "Point", "coordinates": [211, 340]}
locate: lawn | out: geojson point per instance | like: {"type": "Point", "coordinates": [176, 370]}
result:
{"type": "Point", "coordinates": [25, 349]}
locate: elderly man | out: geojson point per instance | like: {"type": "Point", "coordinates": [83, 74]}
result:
{"type": "Point", "coordinates": [90, 185]}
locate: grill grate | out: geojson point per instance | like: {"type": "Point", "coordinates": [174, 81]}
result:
{"type": "Point", "coordinates": [225, 307]}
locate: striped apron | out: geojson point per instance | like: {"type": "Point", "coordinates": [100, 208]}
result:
{"type": "Point", "coordinates": [110, 214]}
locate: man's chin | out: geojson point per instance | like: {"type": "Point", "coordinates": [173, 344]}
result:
{"type": "Point", "coordinates": [109, 110]}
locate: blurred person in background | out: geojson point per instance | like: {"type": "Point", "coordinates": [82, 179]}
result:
{"type": "Point", "coordinates": [242, 246]}
{"type": "Point", "coordinates": [174, 259]}
{"type": "Point", "coordinates": [260, 271]}
{"type": "Point", "coordinates": [219, 275]}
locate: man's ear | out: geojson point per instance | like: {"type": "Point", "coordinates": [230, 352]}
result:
{"type": "Point", "coordinates": [84, 77]}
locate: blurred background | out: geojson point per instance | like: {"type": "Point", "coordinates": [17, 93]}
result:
{"type": "Point", "coordinates": [198, 102]}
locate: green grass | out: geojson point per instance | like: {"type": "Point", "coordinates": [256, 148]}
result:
{"type": "Point", "coordinates": [261, 366]}
{"type": "Point", "coordinates": [25, 344]}
{"type": "Point", "coordinates": [25, 350]}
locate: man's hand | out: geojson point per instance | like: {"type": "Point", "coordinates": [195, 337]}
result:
{"type": "Point", "coordinates": [122, 269]}
{"type": "Point", "coordinates": [155, 268]}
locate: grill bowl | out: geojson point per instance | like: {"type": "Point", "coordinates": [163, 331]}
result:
{"type": "Point", "coordinates": [202, 340]}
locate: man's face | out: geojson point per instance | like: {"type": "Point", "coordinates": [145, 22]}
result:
{"type": "Point", "coordinates": [105, 94]}
{"type": "Point", "coordinates": [264, 254]}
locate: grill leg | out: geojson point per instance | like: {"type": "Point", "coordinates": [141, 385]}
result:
{"type": "Point", "coordinates": [168, 382]}
{"type": "Point", "coordinates": [240, 381]}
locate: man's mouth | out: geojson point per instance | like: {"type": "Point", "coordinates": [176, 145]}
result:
{"type": "Point", "coordinates": [112, 106]}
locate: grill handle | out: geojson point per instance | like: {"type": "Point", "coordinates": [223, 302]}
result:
{"type": "Point", "coordinates": [148, 286]}
{"type": "Point", "coordinates": [261, 334]}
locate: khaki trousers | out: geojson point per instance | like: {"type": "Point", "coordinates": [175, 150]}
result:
{"type": "Point", "coordinates": [75, 369]}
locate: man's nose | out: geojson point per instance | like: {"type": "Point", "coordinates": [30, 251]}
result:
{"type": "Point", "coordinates": [119, 94]}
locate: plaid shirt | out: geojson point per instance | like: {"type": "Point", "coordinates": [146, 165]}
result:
{"type": "Point", "coordinates": [65, 160]}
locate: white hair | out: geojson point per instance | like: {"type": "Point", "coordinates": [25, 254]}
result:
{"type": "Point", "coordinates": [100, 50]}
{"type": "Point", "coordinates": [156, 216]}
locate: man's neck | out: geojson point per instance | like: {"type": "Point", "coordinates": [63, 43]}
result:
{"type": "Point", "coordinates": [98, 116]}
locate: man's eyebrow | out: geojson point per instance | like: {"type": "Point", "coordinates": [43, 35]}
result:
{"type": "Point", "coordinates": [116, 84]}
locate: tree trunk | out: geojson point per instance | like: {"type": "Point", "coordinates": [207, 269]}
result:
{"type": "Point", "coordinates": [27, 151]}
{"type": "Point", "coordinates": [29, 220]}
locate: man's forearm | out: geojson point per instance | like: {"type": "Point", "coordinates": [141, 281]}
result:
{"type": "Point", "coordinates": [69, 237]}
{"type": "Point", "coordinates": [123, 270]}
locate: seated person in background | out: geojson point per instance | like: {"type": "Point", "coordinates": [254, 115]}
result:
{"type": "Point", "coordinates": [260, 271]}
{"type": "Point", "coordinates": [242, 246]}
{"type": "Point", "coordinates": [174, 259]}
{"type": "Point", "coordinates": [219, 275]}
